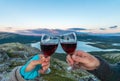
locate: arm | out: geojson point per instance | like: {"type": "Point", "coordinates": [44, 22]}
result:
{"type": "Point", "coordinates": [95, 65]}
{"type": "Point", "coordinates": [31, 70]}
{"type": "Point", "coordinates": [106, 71]}
{"type": "Point", "coordinates": [15, 75]}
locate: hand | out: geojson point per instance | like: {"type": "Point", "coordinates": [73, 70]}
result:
{"type": "Point", "coordinates": [45, 65]}
{"type": "Point", "coordinates": [45, 62]}
{"type": "Point", "coordinates": [84, 60]}
{"type": "Point", "coordinates": [36, 66]}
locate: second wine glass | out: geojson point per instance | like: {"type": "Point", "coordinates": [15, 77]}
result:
{"type": "Point", "coordinates": [69, 44]}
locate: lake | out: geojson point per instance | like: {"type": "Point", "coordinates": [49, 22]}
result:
{"type": "Point", "coordinates": [80, 46]}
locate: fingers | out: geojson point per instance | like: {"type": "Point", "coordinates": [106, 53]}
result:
{"type": "Point", "coordinates": [47, 59]}
{"type": "Point", "coordinates": [36, 60]}
{"type": "Point", "coordinates": [70, 60]}
{"type": "Point", "coordinates": [44, 58]}
{"type": "Point", "coordinates": [45, 64]}
{"type": "Point", "coordinates": [44, 69]}
{"type": "Point", "coordinates": [41, 56]}
{"type": "Point", "coordinates": [81, 57]}
{"type": "Point", "coordinates": [80, 53]}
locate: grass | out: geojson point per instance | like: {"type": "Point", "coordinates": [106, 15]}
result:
{"type": "Point", "coordinates": [60, 56]}
{"type": "Point", "coordinates": [109, 53]}
{"type": "Point", "coordinates": [55, 75]}
{"type": "Point", "coordinates": [104, 45]}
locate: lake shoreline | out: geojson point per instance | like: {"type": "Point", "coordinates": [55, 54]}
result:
{"type": "Point", "coordinates": [81, 45]}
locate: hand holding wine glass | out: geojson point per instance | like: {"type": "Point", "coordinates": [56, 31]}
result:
{"type": "Point", "coordinates": [48, 45]}
{"type": "Point", "coordinates": [35, 66]}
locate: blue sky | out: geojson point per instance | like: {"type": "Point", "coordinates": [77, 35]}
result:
{"type": "Point", "coordinates": [59, 13]}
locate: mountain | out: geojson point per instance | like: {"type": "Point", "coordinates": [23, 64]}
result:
{"type": "Point", "coordinates": [76, 29]}
{"type": "Point", "coordinates": [44, 31]}
{"type": "Point", "coordinates": [6, 37]}
{"type": "Point", "coordinates": [104, 34]}
{"type": "Point", "coordinates": [38, 32]}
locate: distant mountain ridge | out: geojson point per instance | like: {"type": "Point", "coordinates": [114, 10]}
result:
{"type": "Point", "coordinates": [49, 31]}
{"type": "Point", "coordinates": [38, 32]}
{"type": "Point", "coordinates": [6, 37]}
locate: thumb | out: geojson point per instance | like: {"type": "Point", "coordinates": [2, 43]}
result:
{"type": "Point", "coordinates": [34, 62]}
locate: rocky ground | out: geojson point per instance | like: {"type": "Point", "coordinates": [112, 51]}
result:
{"type": "Point", "coordinates": [16, 54]}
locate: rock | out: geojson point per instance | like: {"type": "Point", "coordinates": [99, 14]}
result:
{"type": "Point", "coordinates": [17, 62]}
{"type": "Point", "coordinates": [1, 76]}
{"type": "Point", "coordinates": [112, 57]}
{"type": "Point", "coordinates": [3, 56]}
{"type": "Point", "coordinates": [4, 67]}
{"type": "Point", "coordinates": [4, 76]}
{"type": "Point", "coordinates": [18, 50]}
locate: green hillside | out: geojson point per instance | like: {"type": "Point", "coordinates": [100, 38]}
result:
{"type": "Point", "coordinates": [11, 37]}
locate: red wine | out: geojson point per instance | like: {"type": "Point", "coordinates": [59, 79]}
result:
{"type": "Point", "coordinates": [48, 49]}
{"type": "Point", "coordinates": [69, 48]}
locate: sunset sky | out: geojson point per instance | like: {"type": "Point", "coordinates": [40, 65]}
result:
{"type": "Point", "coordinates": [52, 14]}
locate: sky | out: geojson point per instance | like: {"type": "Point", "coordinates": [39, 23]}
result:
{"type": "Point", "coordinates": [54, 14]}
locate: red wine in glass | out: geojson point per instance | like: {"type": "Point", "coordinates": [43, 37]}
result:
{"type": "Point", "coordinates": [48, 44]}
{"type": "Point", "coordinates": [48, 49]}
{"type": "Point", "coordinates": [69, 47]}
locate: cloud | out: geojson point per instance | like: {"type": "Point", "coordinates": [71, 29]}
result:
{"type": "Point", "coordinates": [8, 28]}
{"type": "Point", "coordinates": [75, 29]}
{"type": "Point", "coordinates": [113, 27]}
{"type": "Point", "coordinates": [102, 29]}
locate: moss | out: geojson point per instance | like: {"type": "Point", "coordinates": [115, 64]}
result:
{"type": "Point", "coordinates": [11, 55]}
{"type": "Point", "coordinates": [57, 78]}
{"type": "Point", "coordinates": [56, 75]}
{"type": "Point", "coordinates": [105, 55]}
{"type": "Point", "coordinates": [60, 56]}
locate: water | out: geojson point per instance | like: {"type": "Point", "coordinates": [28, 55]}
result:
{"type": "Point", "coordinates": [116, 44]}
{"type": "Point", "coordinates": [80, 46]}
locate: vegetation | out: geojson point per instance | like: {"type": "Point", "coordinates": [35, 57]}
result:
{"type": "Point", "coordinates": [111, 56]}
{"type": "Point", "coordinates": [105, 45]}
{"type": "Point", "coordinates": [10, 37]}
{"type": "Point", "coordinates": [56, 75]}
{"type": "Point", "coordinates": [60, 56]}
{"type": "Point", "coordinates": [105, 39]}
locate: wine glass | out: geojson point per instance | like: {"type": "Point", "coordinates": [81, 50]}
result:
{"type": "Point", "coordinates": [48, 44]}
{"type": "Point", "coordinates": [69, 43]}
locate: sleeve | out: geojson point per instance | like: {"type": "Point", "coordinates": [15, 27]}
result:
{"type": "Point", "coordinates": [15, 75]}
{"type": "Point", "coordinates": [106, 71]}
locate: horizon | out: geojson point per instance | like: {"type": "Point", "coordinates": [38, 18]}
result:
{"type": "Point", "coordinates": [30, 31]}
